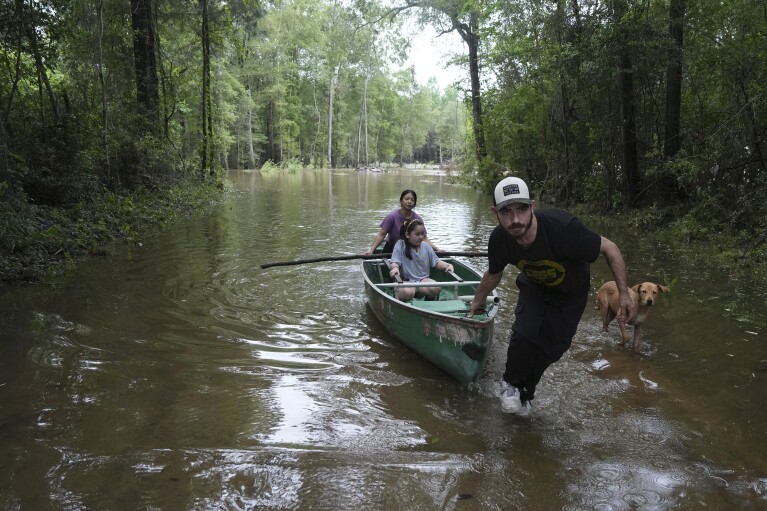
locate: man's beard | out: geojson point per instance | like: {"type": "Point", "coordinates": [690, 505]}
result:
{"type": "Point", "coordinates": [518, 226]}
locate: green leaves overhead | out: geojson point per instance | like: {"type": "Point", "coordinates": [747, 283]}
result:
{"type": "Point", "coordinates": [597, 101]}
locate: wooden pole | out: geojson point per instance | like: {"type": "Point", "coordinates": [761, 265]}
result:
{"type": "Point", "coordinates": [362, 256]}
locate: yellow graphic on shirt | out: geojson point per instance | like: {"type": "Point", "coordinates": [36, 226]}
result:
{"type": "Point", "coordinates": [544, 272]}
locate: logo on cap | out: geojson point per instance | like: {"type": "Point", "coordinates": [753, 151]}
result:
{"type": "Point", "coordinates": [511, 189]}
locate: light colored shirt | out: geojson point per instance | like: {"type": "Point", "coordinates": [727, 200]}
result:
{"type": "Point", "coordinates": [417, 268]}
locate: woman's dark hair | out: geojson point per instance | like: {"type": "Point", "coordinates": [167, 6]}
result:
{"type": "Point", "coordinates": [405, 192]}
{"type": "Point", "coordinates": [407, 227]}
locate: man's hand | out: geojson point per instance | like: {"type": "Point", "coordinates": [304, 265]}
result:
{"type": "Point", "coordinates": [486, 285]}
{"type": "Point", "coordinates": [628, 307]}
{"type": "Point", "coordinates": [476, 307]}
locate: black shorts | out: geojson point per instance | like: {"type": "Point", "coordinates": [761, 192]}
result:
{"type": "Point", "coordinates": [549, 322]}
{"type": "Point", "coordinates": [542, 331]}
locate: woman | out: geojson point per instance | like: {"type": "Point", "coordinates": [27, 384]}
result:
{"type": "Point", "coordinates": [391, 225]}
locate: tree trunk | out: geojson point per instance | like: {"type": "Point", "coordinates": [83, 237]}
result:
{"type": "Point", "coordinates": [359, 140]}
{"type": "Point", "coordinates": [281, 141]}
{"type": "Point", "coordinates": [316, 139]}
{"type": "Point", "coordinates": [251, 149]}
{"type": "Point", "coordinates": [365, 114]}
{"type": "Point", "coordinates": [674, 79]}
{"type": "Point", "coordinates": [628, 128]}
{"type": "Point", "coordinates": [6, 183]}
{"type": "Point", "coordinates": [627, 112]}
{"type": "Point", "coordinates": [402, 146]}
{"type": "Point", "coordinates": [103, 83]}
{"type": "Point", "coordinates": [669, 186]}
{"type": "Point", "coordinates": [144, 57]}
{"type": "Point", "coordinates": [469, 35]}
{"type": "Point", "coordinates": [207, 130]}
{"type": "Point", "coordinates": [43, 77]}
{"type": "Point", "coordinates": [271, 144]}
{"type": "Point", "coordinates": [330, 116]}
{"type": "Point", "coordinates": [756, 128]}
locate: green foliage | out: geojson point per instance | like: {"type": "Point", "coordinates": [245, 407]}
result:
{"type": "Point", "coordinates": [554, 114]}
{"type": "Point", "coordinates": [285, 167]}
{"type": "Point", "coordinates": [292, 166]}
{"type": "Point", "coordinates": [690, 228]}
{"type": "Point", "coordinates": [270, 167]}
{"type": "Point", "coordinates": [34, 239]}
{"type": "Point", "coordinates": [552, 111]}
{"type": "Point", "coordinates": [668, 281]}
{"type": "Point", "coordinates": [598, 191]}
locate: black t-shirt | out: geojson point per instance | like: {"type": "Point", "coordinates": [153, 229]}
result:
{"type": "Point", "coordinates": [558, 260]}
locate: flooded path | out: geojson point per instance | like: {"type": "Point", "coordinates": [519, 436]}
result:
{"type": "Point", "coordinates": [179, 375]}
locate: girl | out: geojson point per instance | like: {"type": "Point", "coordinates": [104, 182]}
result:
{"type": "Point", "coordinates": [414, 258]}
{"type": "Point", "coordinates": [391, 226]}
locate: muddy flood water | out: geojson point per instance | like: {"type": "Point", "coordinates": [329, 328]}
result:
{"type": "Point", "coordinates": [179, 375]}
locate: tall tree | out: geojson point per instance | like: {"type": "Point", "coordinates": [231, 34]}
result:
{"type": "Point", "coordinates": [6, 183]}
{"type": "Point", "coordinates": [332, 82]}
{"type": "Point", "coordinates": [672, 122]}
{"type": "Point", "coordinates": [207, 150]}
{"type": "Point", "coordinates": [103, 84]}
{"type": "Point", "coordinates": [338, 53]}
{"type": "Point", "coordinates": [627, 105]}
{"type": "Point", "coordinates": [468, 32]}
{"type": "Point", "coordinates": [673, 111]}
{"type": "Point", "coordinates": [145, 58]}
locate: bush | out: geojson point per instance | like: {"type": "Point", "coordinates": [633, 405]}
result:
{"type": "Point", "coordinates": [288, 166]}
{"type": "Point", "coordinates": [36, 240]}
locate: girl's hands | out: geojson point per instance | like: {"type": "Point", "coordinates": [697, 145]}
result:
{"type": "Point", "coordinates": [394, 271]}
{"type": "Point", "coordinates": [449, 267]}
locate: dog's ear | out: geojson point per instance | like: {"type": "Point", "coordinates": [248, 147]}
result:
{"type": "Point", "coordinates": [663, 289]}
{"type": "Point", "coordinates": [636, 288]}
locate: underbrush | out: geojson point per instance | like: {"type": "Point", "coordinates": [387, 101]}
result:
{"type": "Point", "coordinates": [288, 166]}
{"type": "Point", "coordinates": [709, 242]}
{"type": "Point", "coordinates": [37, 240]}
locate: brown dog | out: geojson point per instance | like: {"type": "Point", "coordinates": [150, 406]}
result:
{"type": "Point", "coordinates": [644, 295]}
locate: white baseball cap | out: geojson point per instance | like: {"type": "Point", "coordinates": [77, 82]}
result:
{"type": "Point", "coordinates": [509, 190]}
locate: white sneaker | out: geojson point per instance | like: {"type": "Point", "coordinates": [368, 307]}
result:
{"type": "Point", "coordinates": [525, 410]}
{"type": "Point", "coordinates": [510, 402]}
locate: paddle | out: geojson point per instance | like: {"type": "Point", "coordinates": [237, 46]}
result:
{"type": "Point", "coordinates": [363, 256]}
{"type": "Point", "coordinates": [454, 275]}
{"type": "Point", "coordinates": [397, 278]}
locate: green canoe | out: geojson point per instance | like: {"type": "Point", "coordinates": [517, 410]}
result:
{"type": "Point", "coordinates": [438, 330]}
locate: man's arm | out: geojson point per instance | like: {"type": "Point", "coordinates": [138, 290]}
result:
{"type": "Point", "coordinates": [617, 265]}
{"type": "Point", "coordinates": [489, 282]}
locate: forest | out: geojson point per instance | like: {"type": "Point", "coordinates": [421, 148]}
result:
{"type": "Point", "coordinates": [110, 109]}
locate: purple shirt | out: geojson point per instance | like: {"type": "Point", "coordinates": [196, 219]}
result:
{"type": "Point", "coordinates": [392, 224]}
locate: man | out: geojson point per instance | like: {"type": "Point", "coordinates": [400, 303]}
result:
{"type": "Point", "coordinates": [552, 250]}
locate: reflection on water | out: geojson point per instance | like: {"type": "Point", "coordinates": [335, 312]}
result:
{"type": "Point", "coordinates": [179, 375]}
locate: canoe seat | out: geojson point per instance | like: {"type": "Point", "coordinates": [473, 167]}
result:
{"type": "Point", "coordinates": [443, 306]}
